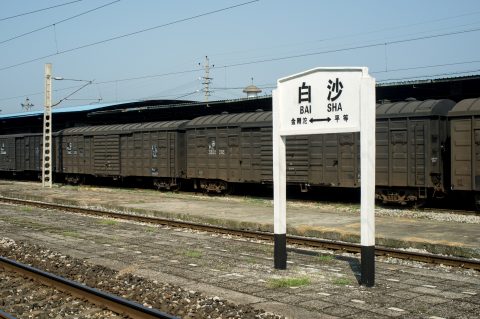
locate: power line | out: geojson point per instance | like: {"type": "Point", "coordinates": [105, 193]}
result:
{"type": "Point", "coordinates": [429, 76]}
{"type": "Point", "coordinates": [425, 67]}
{"type": "Point", "coordinates": [151, 76]}
{"type": "Point", "coordinates": [130, 34]}
{"type": "Point", "coordinates": [38, 93]}
{"type": "Point", "coordinates": [350, 48]}
{"type": "Point", "coordinates": [58, 22]}
{"type": "Point", "coordinates": [35, 11]}
{"type": "Point", "coordinates": [378, 31]}
{"type": "Point", "coordinates": [265, 86]}
{"type": "Point", "coordinates": [300, 55]}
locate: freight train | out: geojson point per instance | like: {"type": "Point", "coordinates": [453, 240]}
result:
{"type": "Point", "coordinates": [424, 150]}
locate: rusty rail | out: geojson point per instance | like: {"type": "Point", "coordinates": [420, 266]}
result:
{"type": "Point", "coordinates": [303, 241]}
{"type": "Point", "coordinates": [5, 315]}
{"type": "Point", "coordinates": [95, 296]}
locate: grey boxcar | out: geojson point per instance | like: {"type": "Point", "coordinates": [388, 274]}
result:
{"type": "Point", "coordinates": [411, 151]}
{"type": "Point", "coordinates": [21, 153]}
{"type": "Point", "coordinates": [154, 150]}
{"type": "Point", "coordinates": [323, 160]}
{"type": "Point", "coordinates": [465, 147]}
{"type": "Point", "coordinates": [7, 153]}
{"type": "Point", "coordinates": [237, 148]}
{"type": "Point", "coordinates": [229, 148]}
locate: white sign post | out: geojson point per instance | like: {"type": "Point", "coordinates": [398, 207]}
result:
{"type": "Point", "coordinates": [321, 101]}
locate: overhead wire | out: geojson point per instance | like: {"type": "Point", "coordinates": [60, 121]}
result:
{"type": "Point", "coordinates": [425, 67]}
{"type": "Point", "coordinates": [58, 22]}
{"type": "Point", "coordinates": [429, 76]}
{"type": "Point", "coordinates": [130, 34]}
{"type": "Point", "coordinates": [266, 86]}
{"type": "Point", "coordinates": [286, 57]}
{"type": "Point", "coordinates": [349, 48]}
{"type": "Point", "coordinates": [355, 35]}
{"type": "Point", "coordinates": [39, 10]}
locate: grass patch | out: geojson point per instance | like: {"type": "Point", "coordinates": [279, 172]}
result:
{"type": "Point", "coordinates": [109, 222]}
{"type": "Point", "coordinates": [193, 253]}
{"type": "Point", "coordinates": [150, 229]}
{"type": "Point", "coordinates": [258, 201]}
{"type": "Point", "coordinates": [288, 282]}
{"type": "Point", "coordinates": [27, 209]}
{"type": "Point", "coordinates": [341, 281]}
{"type": "Point", "coordinates": [103, 240]}
{"type": "Point", "coordinates": [325, 258]}
{"type": "Point", "coordinates": [69, 233]}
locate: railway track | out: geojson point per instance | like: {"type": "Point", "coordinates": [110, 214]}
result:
{"type": "Point", "coordinates": [296, 240]}
{"type": "Point", "coordinates": [99, 299]}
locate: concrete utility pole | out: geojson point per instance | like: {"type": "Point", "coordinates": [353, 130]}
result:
{"type": "Point", "coordinates": [47, 129]}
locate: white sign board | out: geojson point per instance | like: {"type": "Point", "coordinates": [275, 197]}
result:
{"type": "Point", "coordinates": [320, 101]}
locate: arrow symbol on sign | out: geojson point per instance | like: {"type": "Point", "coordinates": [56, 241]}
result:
{"type": "Point", "coordinates": [328, 119]}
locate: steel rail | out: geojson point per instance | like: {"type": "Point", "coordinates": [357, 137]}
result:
{"type": "Point", "coordinates": [5, 315]}
{"type": "Point", "coordinates": [98, 297]}
{"type": "Point", "coordinates": [291, 239]}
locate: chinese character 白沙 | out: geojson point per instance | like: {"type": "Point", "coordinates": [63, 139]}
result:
{"type": "Point", "coordinates": [334, 87]}
{"type": "Point", "coordinates": [304, 93]}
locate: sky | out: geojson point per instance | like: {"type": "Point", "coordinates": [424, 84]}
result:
{"type": "Point", "coordinates": [152, 49]}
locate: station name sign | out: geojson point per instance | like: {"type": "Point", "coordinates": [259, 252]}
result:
{"type": "Point", "coordinates": [320, 101]}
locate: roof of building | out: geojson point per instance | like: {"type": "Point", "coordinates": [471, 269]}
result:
{"type": "Point", "coordinates": [70, 109]}
{"type": "Point", "coordinates": [252, 89]}
{"type": "Point", "coordinates": [426, 81]}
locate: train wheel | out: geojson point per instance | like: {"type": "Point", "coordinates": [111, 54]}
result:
{"type": "Point", "coordinates": [419, 203]}
{"type": "Point", "coordinates": [230, 189]}
{"type": "Point", "coordinates": [476, 202]}
{"type": "Point", "coordinates": [175, 187]}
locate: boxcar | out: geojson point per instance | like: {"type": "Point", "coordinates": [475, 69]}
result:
{"type": "Point", "coordinates": [21, 153]}
{"type": "Point", "coordinates": [237, 148]}
{"type": "Point", "coordinates": [465, 148]}
{"type": "Point", "coordinates": [229, 148]}
{"type": "Point", "coordinates": [411, 153]}
{"type": "Point", "coordinates": [7, 153]}
{"type": "Point", "coordinates": [323, 160]}
{"type": "Point", "coordinates": [146, 150]}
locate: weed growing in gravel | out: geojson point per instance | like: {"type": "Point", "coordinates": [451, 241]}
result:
{"type": "Point", "coordinates": [69, 233]}
{"type": "Point", "coordinates": [341, 281]}
{"type": "Point", "coordinates": [259, 201]}
{"type": "Point", "coordinates": [109, 222]}
{"type": "Point", "coordinates": [193, 253]}
{"type": "Point", "coordinates": [27, 209]}
{"type": "Point", "coordinates": [288, 282]}
{"type": "Point", "coordinates": [150, 229]}
{"type": "Point", "coordinates": [325, 258]}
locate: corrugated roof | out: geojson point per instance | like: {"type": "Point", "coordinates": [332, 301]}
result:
{"type": "Point", "coordinates": [238, 119]}
{"type": "Point", "coordinates": [415, 108]}
{"type": "Point", "coordinates": [467, 107]}
{"type": "Point", "coordinates": [422, 80]}
{"type": "Point", "coordinates": [124, 128]}
{"type": "Point", "coordinates": [182, 105]}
